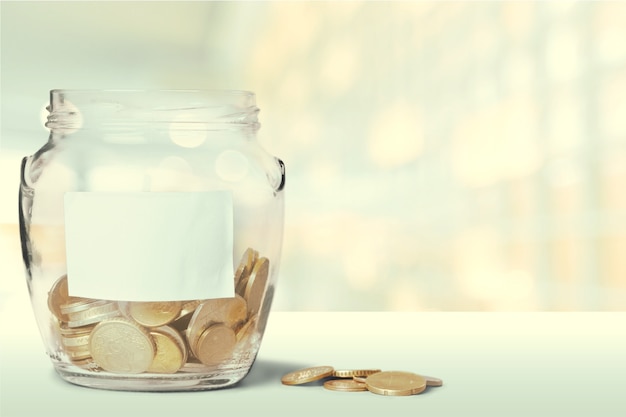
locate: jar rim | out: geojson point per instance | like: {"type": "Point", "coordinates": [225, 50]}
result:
{"type": "Point", "coordinates": [112, 107]}
{"type": "Point", "coordinates": [237, 98]}
{"type": "Point", "coordinates": [57, 91]}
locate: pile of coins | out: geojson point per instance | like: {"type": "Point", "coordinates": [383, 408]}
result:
{"type": "Point", "coordinates": [166, 336]}
{"type": "Point", "coordinates": [395, 383]}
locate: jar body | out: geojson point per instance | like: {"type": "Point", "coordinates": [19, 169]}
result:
{"type": "Point", "coordinates": [151, 227]}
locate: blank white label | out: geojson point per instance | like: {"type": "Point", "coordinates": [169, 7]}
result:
{"type": "Point", "coordinates": [149, 246]}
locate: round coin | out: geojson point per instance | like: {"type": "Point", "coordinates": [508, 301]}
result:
{"type": "Point", "coordinates": [57, 296]}
{"type": "Point", "coordinates": [119, 345]}
{"type": "Point", "coordinates": [303, 376]}
{"type": "Point", "coordinates": [243, 271]}
{"type": "Point", "coordinates": [255, 287]}
{"type": "Point", "coordinates": [98, 311]}
{"type": "Point", "coordinates": [154, 313]}
{"type": "Point", "coordinates": [251, 257]}
{"type": "Point", "coordinates": [350, 373]}
{"type": "Point", "coordinates": [171, 353]}
{"type": "Point", "coordinates": [240, 287]}
{"type": "Point", "coordinates": [395, 383]}
{"type": "Point", "coordinates": [215, 345]}
{"type": "Point", "coordinates": [247, 330]}
{"type": "Point", "coordinates": [229, 311]}
{"type": "Point", "coordinates": [188, 307]}
{"type": "Point", "coordinates": [348, 385]}
{"type": "Point", "coordinates": [76, 305]}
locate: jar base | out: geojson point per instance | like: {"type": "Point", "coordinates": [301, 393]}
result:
{"type": "Point", "coordinates": [191, 381]}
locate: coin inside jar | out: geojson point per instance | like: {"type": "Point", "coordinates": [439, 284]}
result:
{"type": "Point", "coordinates": [154, 313]}
{"type": "Point", "coordinates": [171, 353]}
{"type": "Point", "coordinates": [255, 287]}
{"type": "Point", "coordinates": [119, 345]}
{"type": "Point", "coordinates": [228, 311]}
{"type": "Point", "coordinates": [57, 296]}
{"type": "Point", "coordinates": [215, 345]}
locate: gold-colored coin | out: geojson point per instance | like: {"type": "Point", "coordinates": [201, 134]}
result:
{"type": "Point", "coordinates": [154, 313]}
{"type": "Point", "coordinates": [303, 376]}
{"type": "Point", "coordinates": [229, 311]}
{"type": "Point", "coordinates": [350, 373]}
{"type": "Point", "coordinates": [247, 330]}
{"type": "Point", "coordinates": [396, 383]}
{"type": "Point", "coordinates": [243, 272]}
{"type": "Point", "coordinates": [251, 257]}
{"type": "Point", "coordinates": [76, 341]}
{"type": "Point", "coordinates": [240, 287]}
{"type": "Point", "coordinates": [78, 354]}
{"type": "Point", "coordinates": [97, 311]}
{"type": "Point", "coordinates": [171, 353]}
{"type": "Point", "coordinates": [348, 385]}
{"type": "Point", "coordinates": [78, 304]}
{"type": "Point", "coordinates": [57, 296]}
{"type": "Point", "coordinates": [256, 285]}
{"type": "Point", "coordinates": [122, 346]}
{"type": "Point", "coordinates": [188, 307]}
{"type": "Point", "coordinates": [65, 330]}
{"type": "Point", "coordinates": [215, 345]}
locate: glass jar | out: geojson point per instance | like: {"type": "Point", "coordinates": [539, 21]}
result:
{"type": "Point", "coordinates": [151, 225]}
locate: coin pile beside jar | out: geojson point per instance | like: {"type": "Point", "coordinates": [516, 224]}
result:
{"type": "Point", "coordinates": [391, 383]}
{"type": "Point", "coordinates": [165, 336]}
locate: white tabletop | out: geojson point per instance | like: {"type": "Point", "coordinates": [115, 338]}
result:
{"type": "Point", "coordinates": [492, 364]}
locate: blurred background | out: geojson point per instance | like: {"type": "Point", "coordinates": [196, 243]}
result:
{"type": "Point", "coordinates": [440, 155]}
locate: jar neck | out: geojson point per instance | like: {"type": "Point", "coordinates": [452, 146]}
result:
{"type": "Point", "coordinates": [74, 110]}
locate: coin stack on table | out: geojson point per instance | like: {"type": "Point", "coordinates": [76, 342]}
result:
{"type": "Point", "coordinates": [165, 336]}
{"type": "Point", "coordinates": [392, 383]}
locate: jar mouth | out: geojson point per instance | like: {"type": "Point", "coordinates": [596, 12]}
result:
{"type": "Point", "coordinates": [74, 109]}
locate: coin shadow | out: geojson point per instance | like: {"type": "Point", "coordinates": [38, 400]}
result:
{"type": "Point", "coordinates": [268, 372]}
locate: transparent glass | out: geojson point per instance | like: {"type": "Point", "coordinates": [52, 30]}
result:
{"type": "Point", "coordinates": [133, 143]}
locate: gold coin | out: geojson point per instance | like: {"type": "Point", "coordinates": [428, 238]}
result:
{"type": "Point", "coordinates": [76, 305]}
{"type": "Point", "coordinates": [256, 285]}
{"type": "Point", "coordinates": [350, 373]}
{"type": "Point", "coordinates": [122, 346]}
{"type": "Point", "coordinates": [74, 331]}
{"type": "Point", "coordinates": [98, 311]}
{"type": "Point", "coordinates": [171, 353]}
{"type": "Point", "coordinates": [303, 376]}
{"type": "Point", "coordinates": [76, 341]}
{"type": "Point", "coordinates": [229, 311]}
{"type": "Point", "coordinates": [215, 345]}
{"type": "Point", "coordinates": [154, 313]}
{"type": "Point", "coordinates": [78, 354]}
{"type": "Point", "coordinates": [240, 287]}
{"type": "Point", "coordinates": [243, 271]}
{"type": "Point", "coordinates": [251, 257]}
{"type": "Point", "coordinates": [57, 296]}
{"type": "Point", "coordinates": [432, 381]}
{"type": "Point", "coordinates": [395, 383]}
{"type": "Point", "coordinates": [348, 385]}
{"type": "Point", "coordinates": [247, 330]}
{"type": "Point", "coordinates": [188, 307]}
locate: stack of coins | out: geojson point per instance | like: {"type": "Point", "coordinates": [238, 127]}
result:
{"type": "Point", "coordinates": [395, 383]}
{"type": "Point", "coordinates": [165, 336]}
